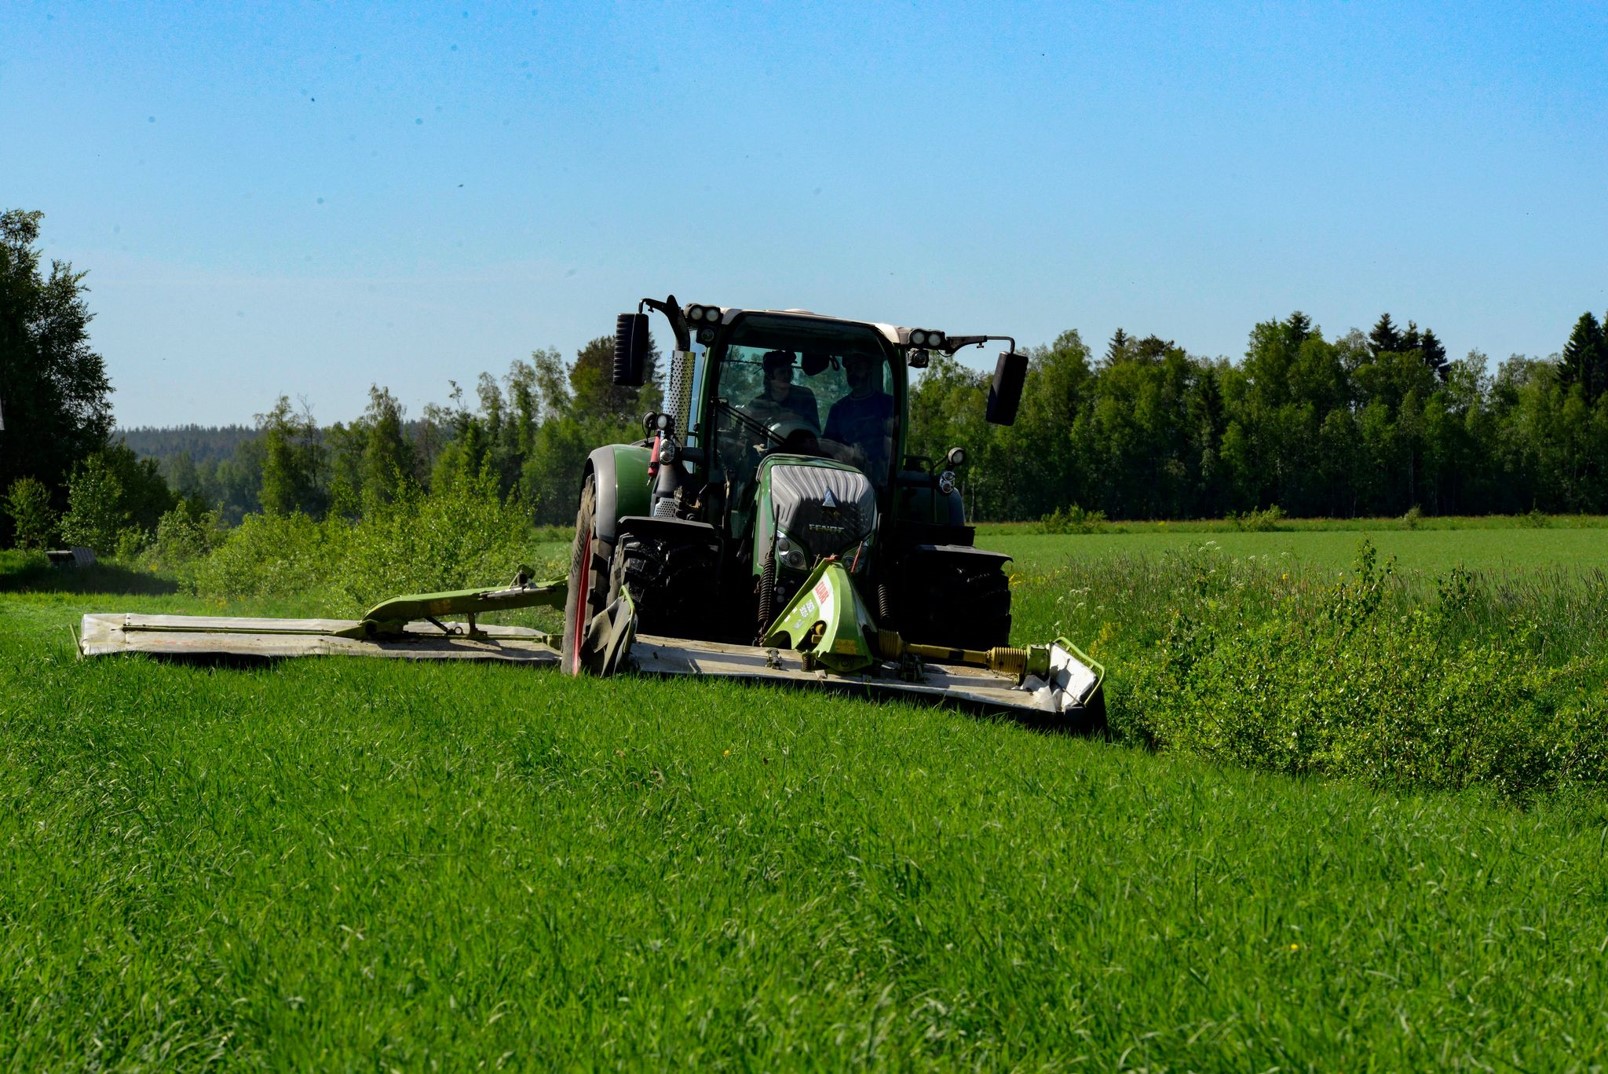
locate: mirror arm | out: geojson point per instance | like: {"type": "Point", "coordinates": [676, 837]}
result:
{"type": "Point", "coordinates": [955, 343]}
{"type": "Point", "coordinates": [678, 320]}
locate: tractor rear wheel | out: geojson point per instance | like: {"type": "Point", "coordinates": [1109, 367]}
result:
{"type": "Point", "coordinates": [588, 591]}
{"type": "Point", "coordinates": [671, 584]}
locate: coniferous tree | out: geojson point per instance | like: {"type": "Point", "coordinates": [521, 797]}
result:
{"type": "Point", "coordinates": [1434, 354]}
{"type": "Point", "coordinates": [1384, 338]}
{"type": "Point", "coordinates": [1118, 348]}
{"type": "Point", "coordinates": [1584, 360]}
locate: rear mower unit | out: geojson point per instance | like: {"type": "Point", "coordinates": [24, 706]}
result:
{"type": "Point", "coordinates": [769, 526]}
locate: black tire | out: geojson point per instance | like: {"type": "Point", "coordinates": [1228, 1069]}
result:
{"type": "Point", "coordinates": [672, 585]}
{"type": "Point", "coordinates": [588, 591]}
{"type": "Point", "coordinates": [964, 607]}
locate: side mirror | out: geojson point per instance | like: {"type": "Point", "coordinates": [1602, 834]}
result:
{"type": "Point", "coordinates": [1005, 395]}
{"type": "Point", "coordinates": [631, 341]}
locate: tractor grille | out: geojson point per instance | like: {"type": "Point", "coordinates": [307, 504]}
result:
{"type": "Point", "coordinates": [799, 495]}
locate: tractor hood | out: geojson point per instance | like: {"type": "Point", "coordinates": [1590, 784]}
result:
{"type": "Point", "coordinates": [821, 506]}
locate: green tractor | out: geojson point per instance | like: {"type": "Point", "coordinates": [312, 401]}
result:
{"type": "Point", "coordinates": [770, 526]}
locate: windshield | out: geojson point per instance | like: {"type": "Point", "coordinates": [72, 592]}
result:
{"type": "Point", "coordinates": [808, 388]}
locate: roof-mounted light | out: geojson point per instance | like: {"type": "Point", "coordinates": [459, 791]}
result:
{"type": "Point", "coordinates": [703, 314]}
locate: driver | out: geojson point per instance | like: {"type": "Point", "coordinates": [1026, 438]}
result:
{"type": "Point", "coordinates": [863, 419]}
{"type": "Point", "coordinates": [780, 398]}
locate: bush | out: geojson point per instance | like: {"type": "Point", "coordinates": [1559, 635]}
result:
{"type": "Point", "coordinates": [1264, 521]}
{"type": "Point", "coordinates": [184, 536]}
{"type": "Point", "coordinates": [1072, 519]}
{"type": "Point", "coordinates": [28, 504]}
{"type": "Point", "coordinates": [94, 515]}
{"type": "Point", "coordinates": [458, 537]}
{"type": "Point", "coordinates": [1355, 679]}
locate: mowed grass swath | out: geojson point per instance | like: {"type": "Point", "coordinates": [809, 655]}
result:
{"type": "Point", "coordinates": [343, 864]}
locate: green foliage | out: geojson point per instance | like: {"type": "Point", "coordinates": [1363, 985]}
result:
{"type": "Point", "coordinates": [33, 520]}
{"type": "Point", "coordinates": [1584, 361]}
{"type": "Point", "coordinates": [1355, 678]}
{"type": "Point", "coordinates": [184, 537]}
{"type": "Point", "coordinates": [95, 513]}
{"type": "Point", "coordinates": [1354, 426]}
{"type": "Point", "coordinates": [294, 462]}
{"type": "Point", "coordinates": [1072, 519]}
{"type": "Point", "coordinates": [1374, 425]}
{"type": "Point", "coordinates": [115, 501]}
{"type": "Point", "coordinates": [144, 496]}
{"type": "Point", "coordinates": [53, 387]}
{"type": "Point", "coordinates": [272, 557]}
{"type": "Point", "coordinates": [1266, 520]}
{"type": "Point", "coordinates": [458, 536]}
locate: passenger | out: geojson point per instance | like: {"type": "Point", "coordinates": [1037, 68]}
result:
{"type": "Point", "coordinates": [863, 419]}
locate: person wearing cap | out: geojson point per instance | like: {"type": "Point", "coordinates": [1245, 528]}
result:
{"type": "Point", "coordinates": [863, 419]}
{"type": "Point", "coordinates": [780, 397]}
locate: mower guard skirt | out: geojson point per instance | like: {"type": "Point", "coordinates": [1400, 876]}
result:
{"type": "Point", "coordinates": [1072, 699]}
{"type": "Point", "coordinates": [201, 636]}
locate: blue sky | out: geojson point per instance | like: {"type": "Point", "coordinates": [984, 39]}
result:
{"type": "Point", "coordinates": [305, 199]}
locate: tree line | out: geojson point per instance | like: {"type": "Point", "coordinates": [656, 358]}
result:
{"type": "Point", "coordinates": [1361, 425]}
{"type": "Point", "coordinates": [1372, 424]}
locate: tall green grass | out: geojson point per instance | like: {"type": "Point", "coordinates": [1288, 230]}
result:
{"type": "Point", "coordinates": [1436, 681]}
{"type": "Point", "coordinates": [1232, 646]}
{"type": "Point", "coordinates": [357, 865]}
{"type": "Point", "coordinates": [458, 537]}
{"type": "Point", "coordinates": [1303, 851]}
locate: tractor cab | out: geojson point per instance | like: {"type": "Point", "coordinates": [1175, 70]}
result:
{"type": "Point", "coordinates": [788, 384]}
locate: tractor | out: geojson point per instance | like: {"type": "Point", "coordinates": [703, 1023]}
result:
{"type": "Point", "coordinates": [777, 471]}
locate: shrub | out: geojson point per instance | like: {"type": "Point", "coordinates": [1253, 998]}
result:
{"type": "Point", "coordinates": [94, 515]}
{"type": "Point", "coordinates": [28, 504]}
{"type": "Point", "coordinates": [184, 536]}
{"type": "Point", "coordinates": [460, 536]}
{"type": "Point", "coordinates": [1358, 679]}
{"type": "Point", "coordinates": [1262, 521]}
{"type": "Point", "coordinates": [1072, 519]}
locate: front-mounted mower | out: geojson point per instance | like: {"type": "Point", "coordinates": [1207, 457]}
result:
{"type": "Point", "coordinates": [770, 525]}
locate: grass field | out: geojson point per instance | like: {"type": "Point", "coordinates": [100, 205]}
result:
{"type": "Point", "coordinates": [352, 865]}
{"type": "Point", "coordinates": [1559, 545]}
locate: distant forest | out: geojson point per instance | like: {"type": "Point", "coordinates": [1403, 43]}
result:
{"type": "Point", "coordinates": [1375, 424]}
{"type": "Point", "coordinates": [202, 443]}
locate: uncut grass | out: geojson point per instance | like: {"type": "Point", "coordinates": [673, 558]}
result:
{"type": "Point", "coordinates": [1569, 545]}
{"type": "Point", "coordinates": [353, 863]}
{"type": "Point", "coordinates": [1404, 679]}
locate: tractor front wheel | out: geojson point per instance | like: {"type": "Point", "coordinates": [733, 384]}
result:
{"type": "Point", "coordinates": [671, 584]}
{"type": "Point", "coordinates": [588, 591]}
